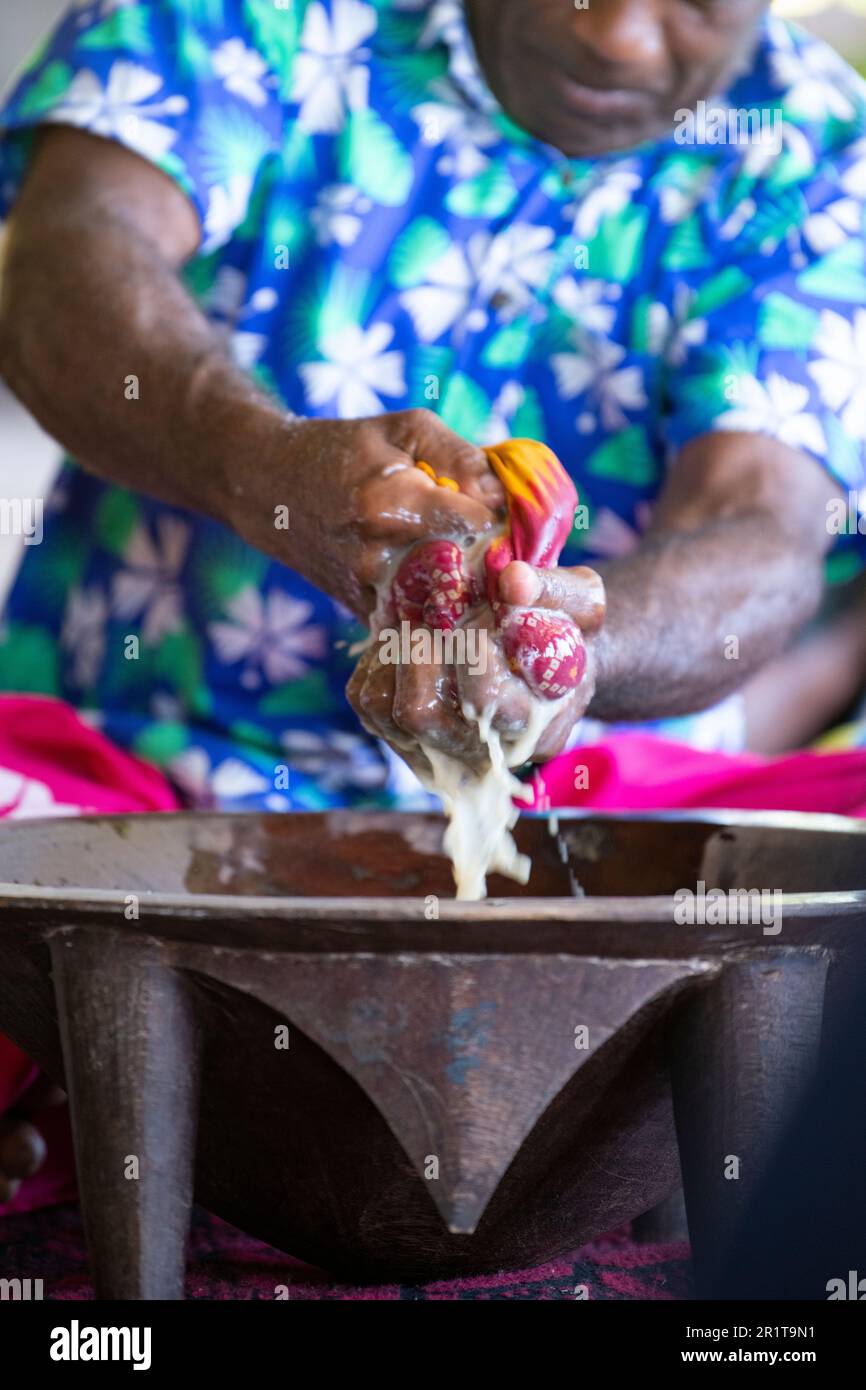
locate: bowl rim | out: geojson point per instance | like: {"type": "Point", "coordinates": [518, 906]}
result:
{"type": "Point", "coordinates": [622, 909]}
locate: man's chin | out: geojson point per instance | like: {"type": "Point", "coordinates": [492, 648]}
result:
{"type": "Point", "coordinates": [588, 139]}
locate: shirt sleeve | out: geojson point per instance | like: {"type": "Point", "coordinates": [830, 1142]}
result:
{"type": "Point", "coordinates": [191, 87]}
{"type": "Point", "coordinates": [770, 337]}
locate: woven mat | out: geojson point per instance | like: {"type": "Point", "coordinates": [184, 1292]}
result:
{"type": "Point", "coordinates": [226, 1264]}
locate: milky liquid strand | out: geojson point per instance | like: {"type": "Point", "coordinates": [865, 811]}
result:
{"type": "Point", "coordinates": [479, 805]}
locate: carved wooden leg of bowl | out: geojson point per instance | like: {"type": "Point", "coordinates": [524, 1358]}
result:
{"type": "Point", "coordinates": [130, 1049]}
{"type": "Point", "coordinates": [742, 1055]}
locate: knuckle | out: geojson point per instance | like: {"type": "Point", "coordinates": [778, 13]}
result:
{"type": "Point", "coordinates": [367, 439]}
{"type": "Point", "coordinates": [591, 579]}
{"type": "Point", "coordinates": [430, 720]}
{"type": "Point", "coordinates": [417, 424]}
{"type": "Point", "coordinates": [376, 699]}
{"type": "Point", "coordinates": [512, 713]}
{"type": "Point", "coordinates": [367, 700]}
{"type": "Point", "coordinates": [413, 718]}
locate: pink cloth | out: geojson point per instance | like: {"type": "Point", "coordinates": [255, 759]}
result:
{"type": "Point", "coordinates": [639, 772]}
{"type": "Point", "coordinates": [52, 764]}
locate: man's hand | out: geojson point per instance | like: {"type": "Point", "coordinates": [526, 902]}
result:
{"type": "Point", "coordinates": [728, 572]}
{"type": "Point", "coordinates": [578, 593]}
{"type": "Point", "coordinates": [201, 434]}
{"type": "Point", "coordinates": [408, 702]}
{"type": "Point", "coordinates": [356, 499]}
{"type": "Point", "coordinates": [734, 551]}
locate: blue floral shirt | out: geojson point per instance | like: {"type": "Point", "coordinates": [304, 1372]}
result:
{"type": "Point", "coordinates": [377, 233]}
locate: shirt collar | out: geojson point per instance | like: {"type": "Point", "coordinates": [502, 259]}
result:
{"type": "Point", "coordinates": [448, 24]}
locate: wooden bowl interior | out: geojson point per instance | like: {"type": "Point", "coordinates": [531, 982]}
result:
{"type": "Point", "coordinates": [384, 855]}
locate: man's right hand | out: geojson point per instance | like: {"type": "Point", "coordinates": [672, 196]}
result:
{"type": "Point", "coordinates": [202, 435]}
{"type": "Point", "coordinates": [355, 498]}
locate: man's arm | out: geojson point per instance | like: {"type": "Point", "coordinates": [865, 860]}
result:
{"type": "Point", "coordinates": [729, 571]}
{"type": "Point", "coordinates": [91, 295]}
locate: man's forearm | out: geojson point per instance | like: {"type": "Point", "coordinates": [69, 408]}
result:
{"type": "Point", "coordinates": [692, 614]}
{"type": "Point", "coordinates": [85, 308]}
{"type": "Point", "coordinates": [92, 297]}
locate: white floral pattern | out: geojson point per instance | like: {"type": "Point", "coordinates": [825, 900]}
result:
{"type": "Point", "coordinates": [83, 633]}
{"type": "Point", "coordinates": [148, 586]}
{"type": "Point", "coordinates": [206, 785]}
{"type": "Point", "coordinates": [357, 371]}
{"type": "Point", "coordinates": [123, 107]}
{"type": "Point", "coordinates": [612, 191]}
{"type": "Point", "coordinates": [774, 407]}
{"type": "Point", "coordinates": [811, 76]}
{"type": "Point", "coordinates": [271, 634]}
{"type": "Point", "coordinates": [227, 208]}
{"type": "Point", "coordinates": [242, 70]}
{"type": "Point", "coordinates": [336, 759]}
{"type": "Point", "coordinates": [587, 302]}
{"type": "Point", "coordinates": [596, 369]}
{"type": "Point", "coordinates": [841, 372]}
{"type": "Point", "coordinates": [331, 75]}
{"type": "Point", "coordinates": [339, 214]}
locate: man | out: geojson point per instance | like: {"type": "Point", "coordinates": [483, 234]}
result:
{"type": "Point", "coordinates": [263, 257]}
{"type": "Point", "coordinates": [377, 209]}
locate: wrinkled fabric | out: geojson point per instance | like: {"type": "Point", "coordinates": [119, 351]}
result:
{"type": "Point", "coordinates": [636, 772]}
